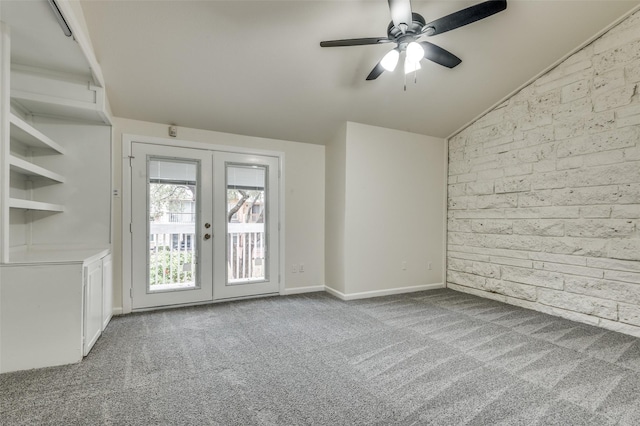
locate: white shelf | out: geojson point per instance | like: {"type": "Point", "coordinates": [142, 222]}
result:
{"type": "Point", "coordinates": [28, 135]}
{"type": "Point", "coordinates": [18, 203]}
{"type": "Point", "coordinates": [56, 254]}
{"type": "Point", "coordinates": [29, 169]}
{"type": "Point", "coordinates": [45, 93]}
{"type": "Point", "coordinates": [53, 106]}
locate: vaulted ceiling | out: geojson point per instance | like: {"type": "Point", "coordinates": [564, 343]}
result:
{"type": "Point", "coordinates": [256, 67]}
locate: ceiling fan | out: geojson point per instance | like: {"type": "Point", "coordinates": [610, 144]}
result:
{"type": "Point", "coordinates": [407, 27]}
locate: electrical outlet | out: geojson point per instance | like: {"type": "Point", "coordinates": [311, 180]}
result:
{"type": "Point", "coordinates": [294, 268]}
{"type": "Point", "coordinates": [404, 265]}
{"type": "Point", "coordinates": [301, 269]}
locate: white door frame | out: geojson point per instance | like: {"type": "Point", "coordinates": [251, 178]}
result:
{"type": "Point", "coordinates": [127, 141]}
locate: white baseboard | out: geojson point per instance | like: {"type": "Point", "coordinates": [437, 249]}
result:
{"type": "Point", "coordinates": [300, 290]}
{"type": "Point", "coordinates": [379, 293]}
{"type": "Point", "coordinates": [338, 294]}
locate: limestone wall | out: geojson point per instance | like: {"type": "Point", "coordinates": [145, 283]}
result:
{"type": "Point", "coordinates": [544, 191]}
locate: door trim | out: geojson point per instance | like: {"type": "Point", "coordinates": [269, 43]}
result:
{"type": "Point", "coordinates": [127, 141]}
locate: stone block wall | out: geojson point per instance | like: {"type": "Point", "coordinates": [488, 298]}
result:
{"type": "Point", "coordinates": [544, 191]}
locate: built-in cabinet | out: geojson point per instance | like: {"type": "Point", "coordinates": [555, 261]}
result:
{"type": "Point", "coordinates": [92, 304]}
{"type": "Point", "coordinates": [55, 204]}
{"type": "Point", "coordinates": [53, 307]}
{"type": "Point", "coordinates": [98, 290]}
{"type": "Point", "coordinates": [107, 290]}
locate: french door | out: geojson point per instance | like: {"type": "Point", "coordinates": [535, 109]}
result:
{"type": "Point", "coordinates": [204, 225]}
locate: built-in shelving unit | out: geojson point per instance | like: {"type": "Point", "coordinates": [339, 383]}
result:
{"type": "Point", "coordinates": [27, 140]}
{"type": "Point", "coordinates": [23, 132]}
{"type": "Point", "coordinates": [55, 189]}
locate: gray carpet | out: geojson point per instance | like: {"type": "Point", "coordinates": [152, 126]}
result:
{"type": "Point", "coordinates": [437, 357]}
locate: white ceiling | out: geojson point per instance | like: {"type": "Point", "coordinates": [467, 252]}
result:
{"type": "Point", "coordinates": [256, 67]}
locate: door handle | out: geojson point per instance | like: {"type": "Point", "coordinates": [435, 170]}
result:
{"type": "Point", "coordinates": [207, 236]}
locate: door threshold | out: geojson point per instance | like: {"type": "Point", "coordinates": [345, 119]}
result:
{"type": "Point", "coordinates": [207, 302]}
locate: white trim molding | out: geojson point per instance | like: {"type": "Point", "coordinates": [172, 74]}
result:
{"type": "Point", "coordinates": [379, 293]}
{"type": "Point", "coordinates": [301, 290]}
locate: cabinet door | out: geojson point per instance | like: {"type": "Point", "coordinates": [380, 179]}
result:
{"type": "Point", "coordinates": [92, 304]}
{"type": "Point", "coordinates": [107, 291]}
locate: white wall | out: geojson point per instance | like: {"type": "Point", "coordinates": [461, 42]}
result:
{"type": "Point", "coordinates": [304, 197]}
{"type": "Point", "coordinates": [394, 210]}
{"type": "Point", "coordinates": [544, 208]}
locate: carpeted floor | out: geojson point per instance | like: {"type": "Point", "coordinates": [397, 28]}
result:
{"type": "Point", "coordinates": [437, 358]}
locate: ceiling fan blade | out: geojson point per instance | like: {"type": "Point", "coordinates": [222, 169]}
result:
{"type": "Point", "coordinates": [465, 16]}
{"type": "Point", "coordinates": [376, 71]}
{"type": "Point", "coordinates": [400, 12]}
{"type": "Point", "coordinates": [354, 42]}
{"type": "Point", "coordinates": [439, 55]}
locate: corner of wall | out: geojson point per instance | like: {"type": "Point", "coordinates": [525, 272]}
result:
{"type": "Point", "coordinates": [335, 168]}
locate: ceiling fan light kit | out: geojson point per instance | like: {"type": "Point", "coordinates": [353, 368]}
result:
{"type": "Point", "coordinates": [407, 27]}
{"type": "Point", "coordinates": [415, 52]}
{"type": "Point", "coordinates": [390, 60]}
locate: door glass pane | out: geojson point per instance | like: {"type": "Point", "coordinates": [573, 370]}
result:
{"type": "Point", "coordinates": [246, 219]}
{"type": "Point", "coordinates": [172, 206]}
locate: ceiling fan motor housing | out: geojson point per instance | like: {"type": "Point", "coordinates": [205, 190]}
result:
{"type": "Point", "coordinates": [414, 30]}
